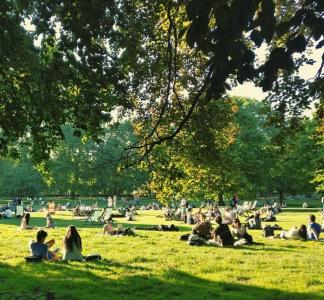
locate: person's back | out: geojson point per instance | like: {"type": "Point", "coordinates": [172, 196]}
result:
{"type": "Point", "coordinates": [7, 213]}
{"type": "Point", "coordinates": [38, 249]}
{"type": "Point", "coordinates": [72, 246]}
{"type": "Point", "coordinates": [223, 234]}
{"type": "Point", "coordinates": [72, 254]}
{"type": "Point", "coordinates": [203, 229]}
{"type": "Point", "coordinates": [314, 228]}
{"type": "Point", "coordinates": [255, 222]}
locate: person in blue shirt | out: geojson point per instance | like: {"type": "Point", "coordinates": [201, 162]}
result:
{"type": "Point", "coordinates": [314, 228]}
{"type": "Point", "coordinates": [40, 249]}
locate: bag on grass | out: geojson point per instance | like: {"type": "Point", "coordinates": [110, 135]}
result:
{"type": "Point", "coordinates": [33, 259]}
{"type": "Point", "coordinates": [92, 257]}
{"type": "Point", "coordinates": [195, 240]}
{"type": "Point", "coordinates": [268, 231]}
{"type": "Point", "coordinates": [185, 237]}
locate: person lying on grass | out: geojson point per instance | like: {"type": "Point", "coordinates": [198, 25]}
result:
{"type": "Point", "coordinates": [40, 248]}
{"type": "Point", "coordinates": [72, 245]}
{"type": "Point", "coordinates": [222, 235]}
{"type": "Point", "coordinates": [294, 233]}
{"type": "Point", "coordinates": [314, 229]}
{"type": "Point", "coordinates": [203, 229]}
{"type": "Point", "coordinates": [109, 230]}
{"type": "Point", "coordinates": [239, 232]}
{"type": "Point", "coordinates": [25, 222]}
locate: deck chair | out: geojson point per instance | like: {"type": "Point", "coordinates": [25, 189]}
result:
{"type": "Point", "coordinates": [51, 207]}
{"type": "Point", "coordinates": [19, 210]}
{"type": "Point", "coordinates": [94, 216]}
{"type": "Point", "coordinates": [107, 215]}
{"type": "Point", "coordinates": [252, 208]}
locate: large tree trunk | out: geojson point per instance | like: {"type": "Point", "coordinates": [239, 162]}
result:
{"type": "Point", "coordinates": [221, 199]}
{"type": "Point", "coordinates": [281, 197]}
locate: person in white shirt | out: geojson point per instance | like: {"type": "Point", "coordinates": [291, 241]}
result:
{"type": "Point", "coordinates": [7, 214]}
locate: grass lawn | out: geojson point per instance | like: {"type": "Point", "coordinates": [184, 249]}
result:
{"type": "Point", "coordinates": [157, 265]}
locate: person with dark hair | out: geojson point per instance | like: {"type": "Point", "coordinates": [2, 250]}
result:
{"type": "Point", "coordinates": [234, 201]}
{"type": "Point", "coordinates": [239, 231]}
{"type": "Point", "coordinates": [40, 248]}
{"type": "Point", "coordinates": [222, 235]}
{"type": "Point", "coordinates": [203, 229]}
{"type": "Point", "coordinates": [255, 221]}
{"type": "Point", "coordinates": [25, 222]}
{"type": "Point", "coordinates": [314, 228]}
{"type": "Point", "coordinates": [294, 233]}
{"type": "Point", "coordinates": [72, 245]}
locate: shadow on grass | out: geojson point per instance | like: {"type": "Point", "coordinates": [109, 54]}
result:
{"type": "Point", "coordinates": [81, 281]}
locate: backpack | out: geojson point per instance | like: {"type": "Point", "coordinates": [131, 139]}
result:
{"type": "Point", "coordinates": [185, 237]}
{"type": "Point", "coordinates": [268, 231]}
{"type": "Point", "coordinates": [195, 240]}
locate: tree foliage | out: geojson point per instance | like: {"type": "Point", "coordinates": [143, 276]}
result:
{"type": "Point", "coordinates": [159, 61]}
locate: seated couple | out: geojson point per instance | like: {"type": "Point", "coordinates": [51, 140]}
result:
{"type": "Point", "coordinates": [71, 248]}
{"type": "Point", "coordinates": [222, 235]}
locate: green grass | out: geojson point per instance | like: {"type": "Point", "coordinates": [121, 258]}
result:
{"type": "Point", "coordinates": [157, 265]}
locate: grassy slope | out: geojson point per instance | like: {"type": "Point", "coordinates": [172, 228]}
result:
{"type": "Point", "coordinates": [156, 265]}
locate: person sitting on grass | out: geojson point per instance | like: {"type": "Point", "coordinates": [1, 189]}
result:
{"type": "Point", "coordinates": [203, 228]}
{"type": "Point", "coordinates": [41, 249]}
{"type": "Point", "coordinates": [254, 222]}
{"type": "Point", "coordinates": [314, 228]}
{"type": "Point", "coordinates": [294, 233]}
{"type": "Point", "coordinates": [25, 222]}
{"type": "Point", "coordinates": [222, 235]}
{"type": "Point", "coordinates": [270, 217]}
{"type": "Point", "coordinates": [7, 214]}
{"type": "Point", "coordinates": [239, 232]}
{"type": "Point", "coordinates": [129, 215]}
{"type": "Point", "coordinates": [197, 216]}
{"type": "Point", "coordinates": [72, 245]}
{"type": "Point", "coordinates": [229, 215]}
{"type": "Point", "coordinates": [189, 218]}
{"type": "Point", "coordinates": [109, 229]}
{"type": "Point", "coordinates": [49, 221]}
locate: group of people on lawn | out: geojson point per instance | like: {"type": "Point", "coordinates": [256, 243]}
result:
{"type": "Point", "coordinates": [235, 233]}
{"type": "Point", "coordinates": [229, 231]}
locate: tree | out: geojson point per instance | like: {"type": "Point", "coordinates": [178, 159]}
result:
{"type": "Point", "coordinates": [20, 178]}
{"type": "Point", "coordinates": [160, 60]}
{"type": "Point", "coordinates": [80, 166]}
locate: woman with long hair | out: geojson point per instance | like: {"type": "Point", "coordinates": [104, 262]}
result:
{"type": "Point", "coordinates": [295, 233]}
{"type": "Point", "coordinates": [25, 222]}
{"type": "Point", "coordinates": [72, 245]}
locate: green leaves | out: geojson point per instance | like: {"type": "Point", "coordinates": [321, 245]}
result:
{"type": "Point", "coordinates": [297, 44]}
